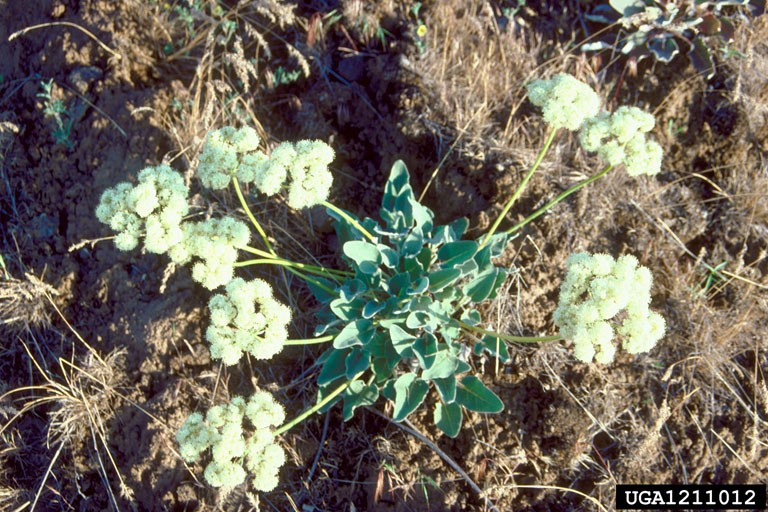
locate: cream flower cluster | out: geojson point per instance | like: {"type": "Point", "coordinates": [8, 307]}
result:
{"type": "Point", "coordinates": [595, 290]}
{"type": "Point", "coordinates": [305, 162]}
{"type": "Point", "coordinates": [223, 153]}
{"type": "Point", "coordinates": [565, 101]}
{"type": "Point", "coordinates": [214, 242]}
{"type": "Point", "coordinates": [620, 138]}
{"type": "Point", "coordinates": [222, 430]}
{"type": "Point", "coordinates": [229, 152]}
{"type": "Point", "coordinates": [155, 207]}
{"type": "Point", "coordinates": [237, 327]}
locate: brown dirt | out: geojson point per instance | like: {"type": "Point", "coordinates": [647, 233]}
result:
{"type": "Point", "coordinates": [678, 414]}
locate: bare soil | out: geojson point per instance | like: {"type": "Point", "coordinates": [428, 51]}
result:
{"type": "Point", "coordinates": [691, 411]}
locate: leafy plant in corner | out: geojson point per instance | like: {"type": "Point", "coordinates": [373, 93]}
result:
{"type": "Point", "coordinates": [651, 28]}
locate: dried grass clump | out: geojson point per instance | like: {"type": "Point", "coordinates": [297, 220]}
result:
{"type": "Point", "coordinates": [23, 302]}
{"type": "Point", "coordinates": [478, 71]}
{"type": "Point", "coordinates": [80, 399]}
{"type": "Point", "coordinates": [751, 69]}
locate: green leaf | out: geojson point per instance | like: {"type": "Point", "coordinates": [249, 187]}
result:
{"type": "Point", "coordinates": [413, 243]}
{"type": "Point", "coordinates": [409, 393]}
{"type": "Point", "coordinates": [358, 394]}
{"type": "Point", "coordinates": [323, 391]}
{"type": "Point", "coordinates": [472, 394]}
{"type": "Point", "coordinates": [456, 253]}
{"type": "Point", "coordinates": [357, 361]}
{"type": "Point", "coordinates": [419, 286]}
{"type": "Point", "coordinates": [471, 317]}
{"type": "Point", "coordinates": [354, 333]}
{"type": "Point", "coordinates": [442, 278]}
{"type": "Point", "coordinates": [494, 346]}
{"type": "Point", "coordinates": [364, 254]}
{"type": "Point", "coordinates": [444, 365]}
{"type": "Point", "coordinates": [372, 307]}
{"type": "Point", "coordinates": [333, 368]}
{"type": "Point", "coordinates": [425, 349]}
{"type": "Point", "coordinates": [448, 418]}
{"type": "Point", "coordinates": [401, 340]}
{"type": "Point", "coordinates": [323, 296]}
{"type": "Point", "coordinates": [388, 255]}
{"type": "Point", "coordinates": [480, 288]}
{"type": "Point", "coordinates": [458, 228]}
{"type": "Point", "coordinates": [419, 320]}
{"type": "Point", "coordinates": [347, 310]}
{"type": "Point", "coordinates": [463, 367]}
{"type": "Point", "coordinates": [399, 284]}
{"type": "Point", "coordinates": [447, 388]}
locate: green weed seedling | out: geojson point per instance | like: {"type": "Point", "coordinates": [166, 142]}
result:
{"type": "Point", "coordinates": [55, 109]}
{"type": "Point", "coordinates": [403, 317]}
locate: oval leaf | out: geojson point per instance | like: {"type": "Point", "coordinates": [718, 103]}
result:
{"type": "Point", "coordinates": [444, 366]}
{"type": "Point", "coordinates": [442, 278]}
{"type": "Point", "coordinates": [456, 253]}
{"type": "Point", "coordinates": [367, 256]}
{"type": "Point", "coordinates": [474, 396]}
{"type": "Point", "coordinates": [354, 333]}
{"type": "Point", "coordinates": [357, 361]}
{"type": "Point", "coordinates": [448, 418]}
{"type": "Point", "coordinates": [401, 340]}
{"type": "Point", "coordinates": [409, 393]}
{"type": "Point", "coordinates": [481, 287]}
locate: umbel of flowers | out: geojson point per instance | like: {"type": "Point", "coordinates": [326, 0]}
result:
{"type": "Point", "coordinates": [238, 327]}
{"type": "Point", "coordinates": [221, 430]}
{"type": "Point", "coordinates": [595, 290]}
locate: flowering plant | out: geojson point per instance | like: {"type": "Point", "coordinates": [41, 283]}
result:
{"type": "Point", "coordinates": [402, 318]}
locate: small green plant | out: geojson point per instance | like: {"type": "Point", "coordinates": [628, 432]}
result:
{"type": "Point", "coordinates": [403, 317]}
{"type": "Point", "coordinates": [55, 109]}
{"type": "Point", "coordinates": [420, 30]}
{"type": "Point", "coordinates": [656, 28]}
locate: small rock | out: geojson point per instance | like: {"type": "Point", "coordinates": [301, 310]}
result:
{"type": "Point", "coordinates": [58, 10]}
{"type": "Point", "coordinates": [81, 78]}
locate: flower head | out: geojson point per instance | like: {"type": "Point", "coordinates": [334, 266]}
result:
{"type": "Point", "coordinates": [565, 101]}
{"type": "Point", "coordinates": [222, 431]}
{"type": "Point", "coordinates": [154, 207]}
{"type": "Point", "coordinates": [238, 327]}
{"type": "Point", "coordinates": [620, 138]}
{"type": "Point", "coordinates": [595, 290]}
{"type": "Point", "coordinates": [222, 155]}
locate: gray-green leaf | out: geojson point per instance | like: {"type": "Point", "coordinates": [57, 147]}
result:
{"type": "Point", "coordinates": [472, 394]}
{"type": "Point", "coordinates": [448, 418]}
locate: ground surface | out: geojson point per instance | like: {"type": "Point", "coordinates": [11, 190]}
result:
{"type": "Point", "coordinates": [692, 410]}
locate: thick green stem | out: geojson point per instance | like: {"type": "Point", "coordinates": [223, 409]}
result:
{"type": "Point", "coordinates": [301, 417]}
{"type": "Point", "coordinates": [559, 198]}
{"type": "Point", "coordinates": [253, 219]}
{"type": "Point", "coordinates": [519, 190]}
{"type": "Point", "coordinates": [349, 219]}
{"type": "Point", "coordinates": [518, 339]}
{"type": "Point", "coordinates": [310, 341]}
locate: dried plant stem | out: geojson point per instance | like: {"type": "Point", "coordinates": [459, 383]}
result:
{"type": "Point", "coordinates": [66, 24]}
{"type": "Point", "coordinates": [411, 429]}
